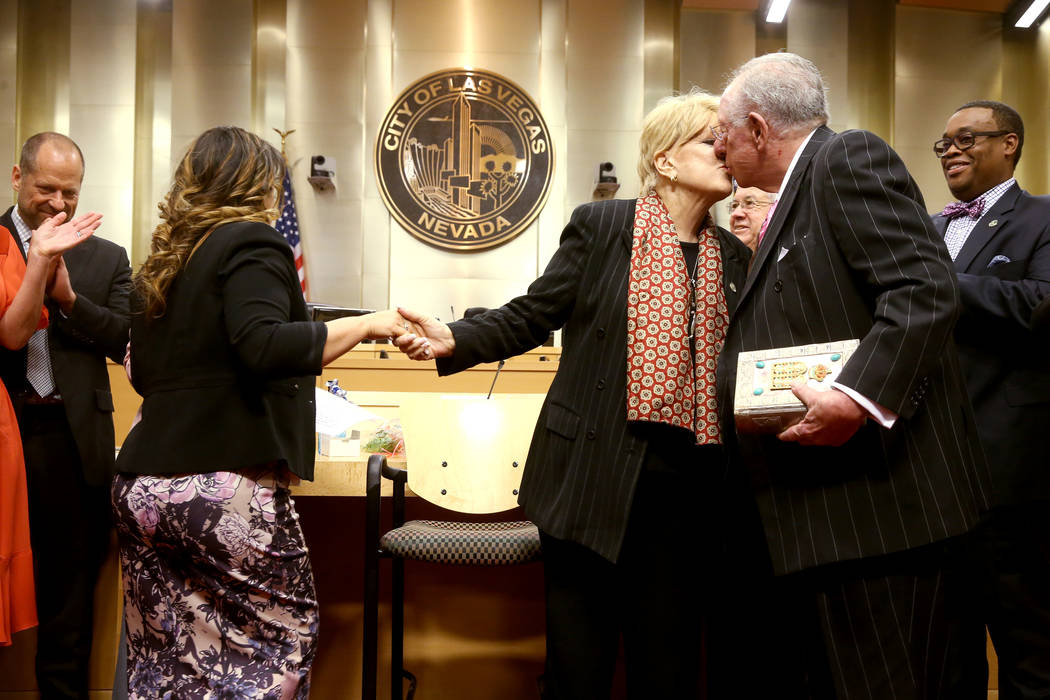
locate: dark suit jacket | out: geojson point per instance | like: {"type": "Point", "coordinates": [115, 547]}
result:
{"type": "Point", "coordinates": [584, 460]}
{"type": "Point", "coordinates": [851, 253]}
{"type": "Point", "coordinates": [1004, 273]}
{"type": "Point", "coordinates": [225, 373]}
{"type": "Point", "coordinates": [96, 328]}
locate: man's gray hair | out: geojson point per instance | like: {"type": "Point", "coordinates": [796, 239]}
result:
{"type": "Point", "coordinates": [785, 88]}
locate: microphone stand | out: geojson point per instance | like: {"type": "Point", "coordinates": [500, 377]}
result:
{"type": "Point", "coordinates": [498, 368]}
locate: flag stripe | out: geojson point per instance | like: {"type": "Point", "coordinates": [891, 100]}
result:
{"type": "Point", "coordinates": [288, 226]}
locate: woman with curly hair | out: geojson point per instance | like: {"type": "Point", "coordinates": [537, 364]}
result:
{"type": "Point", "coordinates": [218, 589]}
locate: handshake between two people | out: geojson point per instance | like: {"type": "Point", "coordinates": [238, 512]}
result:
{"type": "Point", "coordinates": [419, 336]}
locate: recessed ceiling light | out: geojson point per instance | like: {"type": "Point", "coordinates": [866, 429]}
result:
{"type": "Point", "coordinates": [779, 8]}
{"type": "Point", "coordinates": [1030, 15]}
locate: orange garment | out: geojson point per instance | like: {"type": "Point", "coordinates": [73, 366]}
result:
{"type": "Point", "coordinates": [17, 597]}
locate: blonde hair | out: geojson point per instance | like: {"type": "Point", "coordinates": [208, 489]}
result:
{"type": "Point", "coordinates": [673, 120]}
{"type": "Point", "coordinates": [225, 176]}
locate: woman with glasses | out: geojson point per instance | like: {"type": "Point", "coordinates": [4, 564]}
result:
{"type": "Point", "coordinates": [626, 461]}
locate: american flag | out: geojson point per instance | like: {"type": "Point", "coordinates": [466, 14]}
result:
{"type": "Point", "coordinates": [288, 226]}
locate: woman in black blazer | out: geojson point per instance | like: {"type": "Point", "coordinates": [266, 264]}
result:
{"type": "Point", "coordinates": [625, 476]}
{"type": "Point", "coordinates": [218, 590]}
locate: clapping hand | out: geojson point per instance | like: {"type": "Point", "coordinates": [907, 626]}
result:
{"type": "Point", "coordinates": [426, 338]}
{"type": "Point", "coordinates": [59, 288]}
{"type": "Point", "coordinates": [53, 237]}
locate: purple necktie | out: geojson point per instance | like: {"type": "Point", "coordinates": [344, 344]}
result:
{"type": "Point", "coordinates": [972, 209]}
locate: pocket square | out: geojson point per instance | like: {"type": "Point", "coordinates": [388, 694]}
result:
{"type": "Point", "coordinates": [783, 252]}
{"type": "Point", "coordinates": [998, 260]}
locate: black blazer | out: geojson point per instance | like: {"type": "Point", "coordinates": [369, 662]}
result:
{"type": "Point", "coordinates": [851, 253]}
{"type": "Point", "coordinates": [97, 327]}
{"type": "Point", "coordinates": [584, 461]}
{"type": "Point", "coordinates": [225, 372]}
{"type": "Point", "coordinates": [1004, 273]}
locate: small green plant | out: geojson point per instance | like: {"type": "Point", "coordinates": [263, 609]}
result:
{"type": "Point", "coordinates": [386, 440]}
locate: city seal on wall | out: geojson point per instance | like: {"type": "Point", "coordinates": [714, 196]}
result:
{"type": "Point", "coordinates": [464, 159]}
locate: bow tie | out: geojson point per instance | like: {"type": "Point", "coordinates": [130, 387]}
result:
{"type": "Point", "coordinates": [972, 209]}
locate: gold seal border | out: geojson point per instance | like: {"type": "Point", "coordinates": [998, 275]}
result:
{"type": "Point", "coordinates": [410, 227]}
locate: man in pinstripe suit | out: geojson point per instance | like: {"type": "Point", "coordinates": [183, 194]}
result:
{"type": "Point", "coordinates": [860, 502]}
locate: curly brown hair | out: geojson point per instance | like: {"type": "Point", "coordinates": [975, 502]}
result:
{"type": "Point", "coordinates": [225, 176]}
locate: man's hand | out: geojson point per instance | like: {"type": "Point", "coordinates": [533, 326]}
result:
{"type": "Point", "coordinates": [831, 420]}
{"type": "Point", "coordinates": [426, 338]}
{"type": "Point", "coordinates": [59, 289]}
{"type": "Point", "coordinates": [53, 237]}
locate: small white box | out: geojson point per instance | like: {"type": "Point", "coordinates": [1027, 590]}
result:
{"type": "Point", "coordinates": [342, 445]}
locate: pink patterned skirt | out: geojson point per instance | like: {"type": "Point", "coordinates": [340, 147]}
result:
{"type": "Point", "coordinates": [219, 595]}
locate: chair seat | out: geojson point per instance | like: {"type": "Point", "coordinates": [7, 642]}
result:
{"type": "Point", "coordinates": [476, 544]}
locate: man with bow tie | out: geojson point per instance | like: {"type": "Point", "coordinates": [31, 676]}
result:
{"type": "Point", "coordinates": [999, 237]}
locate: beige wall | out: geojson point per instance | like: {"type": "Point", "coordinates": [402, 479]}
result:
{"type": "Point", "coordinates": [897, 70]}
{"type": "Point", "coordinates": [8, 96]}
{"type": "Point", "coordinates": [102, 108]}
{"type": "Point", "coordinates": [931, 82]}
{"type": "Point", "coordinates": [326, 95]}
{"type": "Point", "coordinates": [135, 82]}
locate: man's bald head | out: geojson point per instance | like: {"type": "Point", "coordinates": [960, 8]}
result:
{"type": "Point", "coordinates": [47, 178]}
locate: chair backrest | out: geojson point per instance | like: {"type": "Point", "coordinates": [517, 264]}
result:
{"type": "Point", "coordinates": [465, 452]}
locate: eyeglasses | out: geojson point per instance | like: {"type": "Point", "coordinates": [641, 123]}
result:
{"type": "Point", "coordinates": [748, 204]}
{"type": "Point", "coordinates": [720, 132]}
{"type": "Point", "coordinates": [964, 141]}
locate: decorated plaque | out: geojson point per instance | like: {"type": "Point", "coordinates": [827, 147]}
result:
{"type": "Point", "coordinates": [464, 159]}
{"type": "Point", "coordinates": [764, 402]}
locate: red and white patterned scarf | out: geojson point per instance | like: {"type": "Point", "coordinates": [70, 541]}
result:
{"type": "Point", "coordinates": [662, 386]}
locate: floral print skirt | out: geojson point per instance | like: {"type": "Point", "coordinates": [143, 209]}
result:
{"type": "Point", "coordinates": [219, 597]}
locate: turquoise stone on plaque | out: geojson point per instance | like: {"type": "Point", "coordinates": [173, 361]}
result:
{"type": "Point", "coordinates": [760, 365]}
{"type": "Point", "coordinates": [836, 357]}
{"type": "Point", "coordinates": [758, 391]}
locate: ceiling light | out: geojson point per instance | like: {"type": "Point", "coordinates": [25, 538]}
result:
{"type": "Point", "coordinates": [1032, 13]}
{"type": "Point", "coordinates": [779, 8]}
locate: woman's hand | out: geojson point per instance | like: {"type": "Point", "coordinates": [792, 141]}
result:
{"type": "Point", "coordinates": [382, 325]}
{"type": "Point", "coordinates": [425, 338]}
{"type": "Point", "coordinates": [53, 237]}
{"type": "Point", "coordinates": [345, 333]}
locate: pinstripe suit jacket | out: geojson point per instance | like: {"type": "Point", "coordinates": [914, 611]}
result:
{"type": "Point", "coordinates": [1004, 272]}
{"type": "Point", "coordinates": [851, 253]}
{"type": "Point", "coordinates": [584, 459]}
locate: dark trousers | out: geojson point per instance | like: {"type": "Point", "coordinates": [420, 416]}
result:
{"type": "Point", "coordinates": [1009, 566]}
{"type": "Point", "coordinates": [876, 628]}
{"type": "Point", "coordinates": [69, 524]}
{"type": "Point", "coordinates": [655, 597]}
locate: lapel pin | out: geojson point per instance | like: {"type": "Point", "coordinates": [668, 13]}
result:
{"type": "Point", "coordinates": [732, 286]}
{"type": "Point", "coordinates": [993, 222]}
